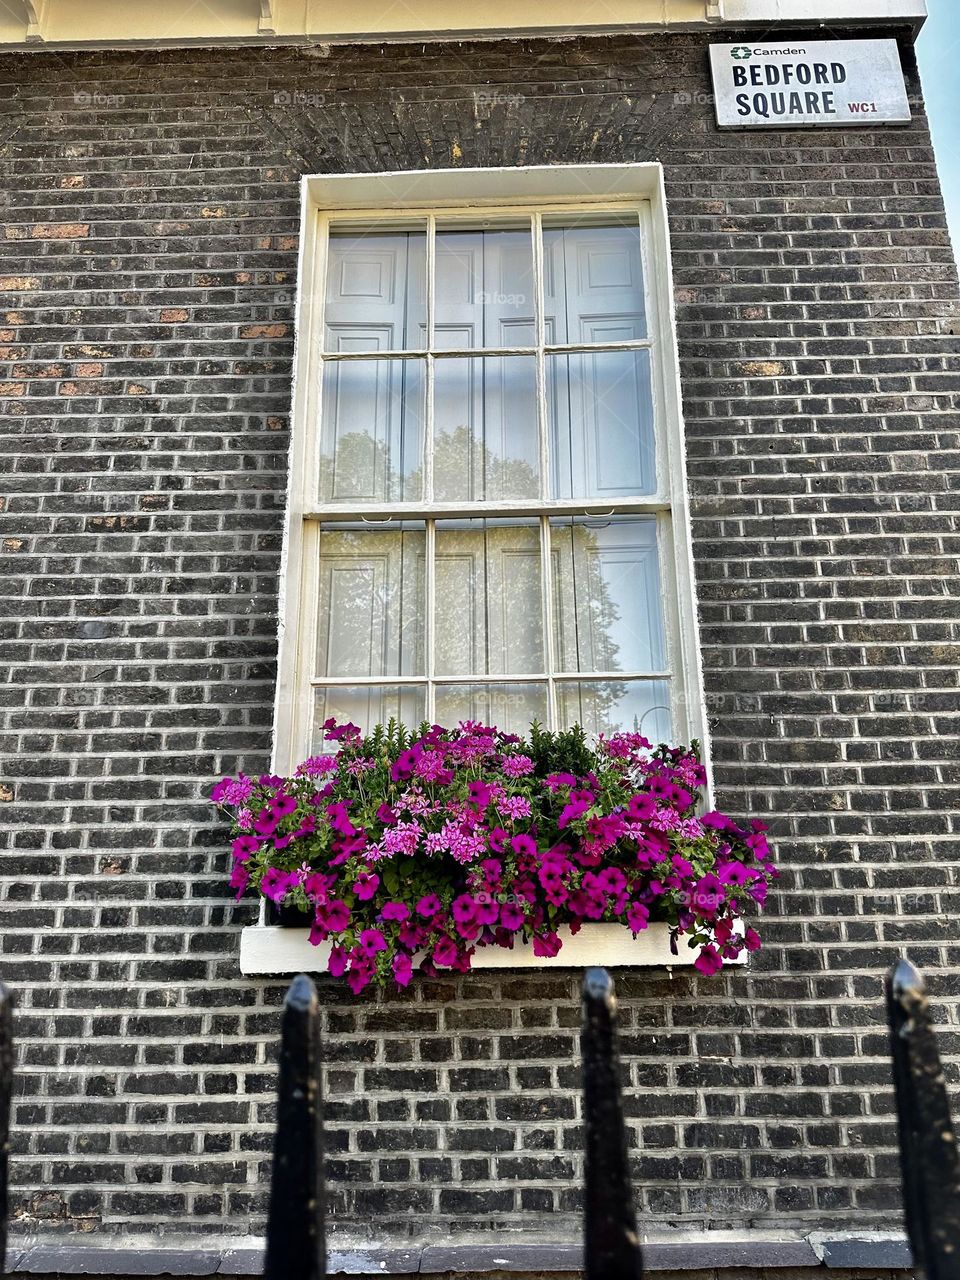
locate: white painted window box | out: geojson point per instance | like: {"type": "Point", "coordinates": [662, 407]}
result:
{"type": "Point", "coordinates": [270, 949]}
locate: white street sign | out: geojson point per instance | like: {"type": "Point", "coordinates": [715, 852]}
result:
{"type": "Point", "coordinates": [810, 83]}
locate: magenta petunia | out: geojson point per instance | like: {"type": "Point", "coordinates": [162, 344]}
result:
{"type": "Point", "coordinates": [402, 969]}
{"type": "Point", "coordinates": [428, 906]}
{"type": "Point", "coordinates": [366, 885]}
{"type": "Point", "coordinates": [398, 911]}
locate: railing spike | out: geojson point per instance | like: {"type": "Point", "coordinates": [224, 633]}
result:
{"type": "Point", "coordinates": [296, 1248]}
{"type": "Point", "coordinates": [611, 1243]}
{"type": "Point", "coordinates": [928, 1147]}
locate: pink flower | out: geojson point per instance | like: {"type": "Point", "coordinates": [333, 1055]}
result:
{"type": "Point", "coordinates": [317, 766]}
{"type": "Point", "coordinates": [577, 805]}
{"type": "Point", "coordinates": [402, 969]}
{"type": "Point", "coordinates": [244, 846]}
{"type": "Point", "coordinates": [428, 906]}
{"type": "Point", "coordinates": [463, 909]}
{"type": "Point", "coordinates": [708, 961]}
{"type": "Point", "coordinates": [334, 917]}
{"type": "Point", "coordinates": [398, 911]}
{"type": "Point", "coordinates": [517, 766]}
{"type": "Point", "coordinates": [751, 940]}
{"type": "Point", "coordinates": [641, 807]}
{"type": "Point", "coordinates": [275, 883]}
{"type": "Point", "coordinates": [511, 916]}
{"type": "Point", "coordinates": [638, 916]}
{"type": "Point", "coordinates": [523, 845]}
{"type": "Point", "coordinates": [546, 944]}
{"type": "Point", "coordinates": [337, 961]}
{"type": "Point", "coordinates": [445, 952]}
{"type": "Point", "coordinates": [371, 941]}
{"type": "Point", "coordinates": [366, 885]}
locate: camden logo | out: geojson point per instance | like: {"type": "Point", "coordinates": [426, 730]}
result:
{"type": "Point", "coordinates": [741, 51]}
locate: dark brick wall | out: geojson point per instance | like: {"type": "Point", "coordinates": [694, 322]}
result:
{"type": "Point", "coordinates": [149, 259]}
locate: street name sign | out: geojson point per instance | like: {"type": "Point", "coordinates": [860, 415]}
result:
{"type": "Point", "coordinates": [809, 84]}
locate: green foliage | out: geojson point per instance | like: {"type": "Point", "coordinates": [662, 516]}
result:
{"type": "Point", "coordinates": [561, 751]}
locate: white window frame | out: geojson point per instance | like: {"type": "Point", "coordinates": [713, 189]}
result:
{"type": "Point", "coordinates": [574, 189]}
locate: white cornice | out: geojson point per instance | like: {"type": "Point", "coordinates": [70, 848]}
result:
{"type": "Point", "coordinates": [138, 24]}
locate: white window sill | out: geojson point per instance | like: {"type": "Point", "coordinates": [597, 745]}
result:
{"type": "Point", "coordinates": [269, 949]}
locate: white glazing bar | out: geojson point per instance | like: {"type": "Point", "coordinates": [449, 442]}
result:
{"type": "Point", "coordinates": [491, 510]}
{"type": "Point", "coordinates": [457, 353]}
{"type": "Point", "coordinates": [528, 677]}
{"type": "Point", "coordinates": [429, 647]}
{"type": "Point", "coordinates": [546, 593]}
{"type": "Point", "coordinates": [428, 408]}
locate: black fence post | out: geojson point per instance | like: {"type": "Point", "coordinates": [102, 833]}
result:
{"type": "Point", "coordinates": [6, 1094]}
{"type": "Point", "coordinates": [928, 1147]}
{"type": "Point", "coordinates": [611, 1243]}
{"type": "Point", "coordinates": [296, 1248]}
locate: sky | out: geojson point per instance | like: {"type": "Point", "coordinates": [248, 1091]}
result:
{"type": "Point", "coordinates": [938, 54]}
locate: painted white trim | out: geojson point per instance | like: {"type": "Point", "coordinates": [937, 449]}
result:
{"type": "Point", "coordinates": [103, 24]}
{"type": "Point", "coordinates": [269, 949]}
{"type": "Point", "coordinates": [631, 187]}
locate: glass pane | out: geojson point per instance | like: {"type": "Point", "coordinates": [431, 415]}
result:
{"type": "Point", "coordinates": [371, 601]}
{"type": "Point", "coordinates": [511, 707]}
{"type": "Point", "coordinates": [608, 706]}
{"type": "Point", "coordinates": [376, 290]}
{"type": "Point", "coordinates": [593, 284]}
{"type": "Point", "coordinates": [367, 706]}
{"type": "Point", "coordinates": [371, 430]}
{"type": "Point", "coordinates": [485, 428]}
{"type": "Point", "coordinates": [607, 605]}
{"type": "Point", "coordinates": [489, 619]}
{"type": "Point", "coordinates": [484, 289]}
{"type": "Point", "coordinates": [600, 422]}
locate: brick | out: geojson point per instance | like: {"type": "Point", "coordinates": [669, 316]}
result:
{"type": "Point", "coordinates": [142, 517]}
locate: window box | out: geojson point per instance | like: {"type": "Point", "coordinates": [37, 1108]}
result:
{"type": "Point", "coordinates": [270, 949]}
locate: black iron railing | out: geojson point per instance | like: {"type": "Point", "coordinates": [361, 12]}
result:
{"type": "Point", "coordinates": [295, 1224]}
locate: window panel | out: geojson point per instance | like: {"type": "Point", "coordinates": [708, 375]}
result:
{"type": "Point", "coordinates": [367, 706]}
{"type": "Point", "coordinates": [608, 604]}
{"type": "Point", "coordinates": [609, 706]}
{"type": "Point", "coordinates": [486, 443]}
{"type": "Point", "coordinates": [593, 283]}
{"type": "Point", "coordinates": [511, 707]}
{"type": "Point", "coordinates": [489, 619]}
{"type": "Point", "coordinates": [371, 431]}
{"type": "Point", "coordinates": [484, 289]}
{"type": "Point", "coordinates": [371, 601]}
{"type": "Point", "coordinates": [600, 423]}
{"type": "Point", "coordinates": [376, 296]}
{"type": "Point", "coordinates": [495, 648]}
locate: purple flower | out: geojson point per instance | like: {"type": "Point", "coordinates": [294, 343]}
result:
{"type": "Point", "coordinates": [428, 906]}
{"type": "Point", "coordinates": [372, 941]}
{"type": "Point", "coordinates": [709, 961]}
{"type": "Point", "coordinates": [366, 885]}
{"type": "Point", "coordinates": [398, 911]}
{"type": "Point", "coordinates": [402, 969]}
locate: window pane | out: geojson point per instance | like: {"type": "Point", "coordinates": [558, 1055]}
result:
{"type": "Point", "coordinates": [510, 707]}
{"type": "Point", "coordinates": [607, 605]}
{"type": "Point", "coordinates": [593, 284]}
{"type": "Point", "coordinates": [484, 289]}
{"type": "Point", "coordinates": [485, 428]}
{"type": "Point", "coordinates": [376, 291]}
{"type": "Point", "coordinates": [371, 601]}
{"type": "Point", "coordinates": [489, 618]}
{"type": "Point", "coordinates": [367, 706]}
{"type": "Point", "coordinates": [600, 421]}
{"type": "Point", "coordinates": [371, 430]}
{"type": "Point", "coordinates": [606, 706]}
